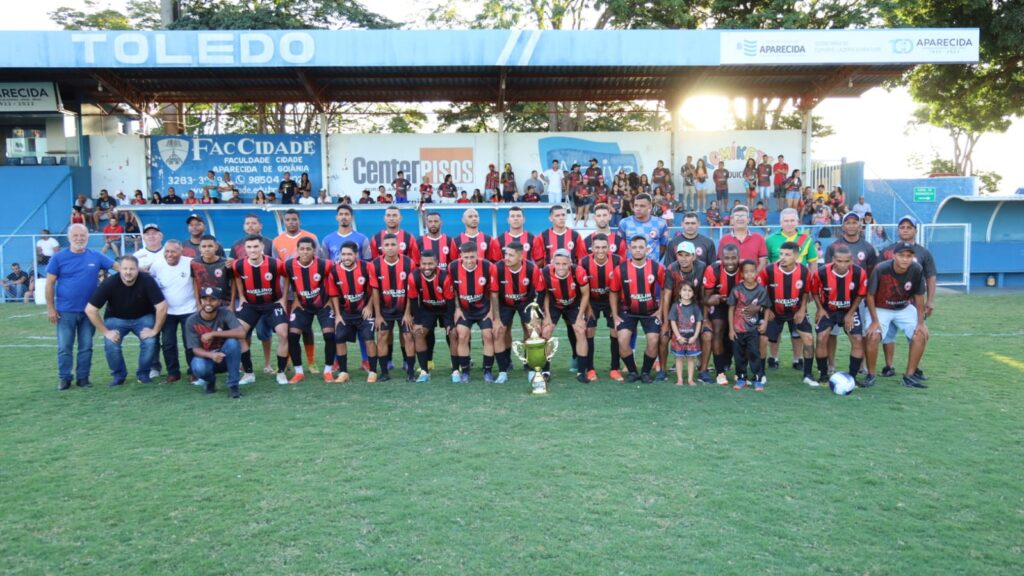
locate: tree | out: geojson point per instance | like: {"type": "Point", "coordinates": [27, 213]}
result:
{"type": "Point", "coordinates": [989, 180]}
{"type": "Point", "coordinates": [140, 15]}
{"type": "Point", "coordinates": [277, 15]}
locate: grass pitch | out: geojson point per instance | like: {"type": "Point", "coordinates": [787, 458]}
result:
{"type": "Point", "coordinates": [398, 478]}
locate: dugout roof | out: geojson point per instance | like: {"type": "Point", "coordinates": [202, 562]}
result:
{"type": "Point", "coordinates": [496, 66]}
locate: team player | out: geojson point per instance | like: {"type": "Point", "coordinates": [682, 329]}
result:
{"type": "Point", "coordinates": [719, 280]}
{"type": "Point", "coordinates": [566, 290]}
{"type": "Point", "coordinates": [258, 279]}
{"type": "Point", "coordinates": [486, 247]}
{"type": "Point", "coordinates": [430, 309]}
{"type": "Point", "coordinates": [210, 270]}
{"type": "Point", "coordinates": [472, 283]}
{"type": "Point", "coordinates": [331, 244]}
{"type": "Point", "coordinates": [838, 288]}
{"type": "Point", "coordinates": [642, 223]}
{"type": "Point", "coordinates": [636, 300]}
{"type": "Point", "coordinates": [286, 248]}
{"type": "Point", "coordinates": [616, 242]}
{"type": "Point", "coordinates": [389, 278]}
{"type": "Point", "coordinates": [600, 266]}
{"type": "Point", "coordinates": [896, 296]}
{"type": "Point", "coordinates": [351, 298]}
{"type": "Point", "coordinates": [907, 230]}
{"type": "Point", "coordinates": [253, 226]}
{"type": "Point", "coordinates": [864, 255]}
{"type": "Point", "coordinates": [309, 282]}
{"type": "Point", "coordinates": [806, 254]}
{"type": "Point", "coordinates": [516, 233]}
{"type": "Point", "coordinates": [788, 284]}
{"type": "Point", "coordinates": [407, 245]}
{"type": "Point", "coordinates": [557, 237]}
{"type": "Point", "coordinates": [516, 289]}
{"type": "Point", "coordinates": [686, 269]}
{"type": "Point", "coordinates": [746, 303]}
{"type": "Point", "coordinates": [444, 247]}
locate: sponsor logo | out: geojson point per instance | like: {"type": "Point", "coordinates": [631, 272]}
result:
{"type": "Point", "coordinates": [173, 152]}
{"type": "Point", "coordinates": [482, 281]}
{"type": "Point", "coordinates": [752, 49]}
{"type": "Point", "coordinates": [268, 276]}
{"type": "Point", "coordinates": [316, 277]}
{"type": "Point", "coordinates": [902, 46]}
{"type": "Point", "coordinates": [907, 286]}
{"type": "Point", "coordinates": [748, 47]}
{"type": "Point", "coordinates": [218, 272]}
{"type": "Point", "coordinates": [432, 164]}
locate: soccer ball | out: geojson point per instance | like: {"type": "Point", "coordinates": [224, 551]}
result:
{"type": "Point", "coordinates": [842, 384]}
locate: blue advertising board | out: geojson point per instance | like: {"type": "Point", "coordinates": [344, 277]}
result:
{"type": "Point", "coordinates": [254, 161]}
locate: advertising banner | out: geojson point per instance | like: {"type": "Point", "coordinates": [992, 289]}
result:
{"type": "Point", "coordinates": [29, 97]}
{"type": "Point", "coordinates": [734, 147]}
{"type": "Point", "coordinates": [849, 46]}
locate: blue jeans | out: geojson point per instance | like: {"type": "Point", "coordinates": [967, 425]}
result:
{"type": "Point", "coordinates": [16, 291]}
{"type": "Point", "coordinates": [208, 369]}
{"type": "Point", "coordinates": [147, 347]}
{"type": "Point", "coordinates": [169, 343]}
{"type": "Point", "coordinates": [73, 325]}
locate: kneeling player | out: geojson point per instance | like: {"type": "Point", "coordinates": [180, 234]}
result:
{"type": "Point", "coordinates": [353, 308]}
{"type": "Point", "coordinates": [516, 278]}
{"type": "Point", "coordinates": [258, 280]}
{"type": "Point", "coordinates": [636, 300]}
{"type": "Point", "coordinates": [310, 279]}
{"type": "Point", "coordinates": [472, 284]}
{"type": "Point", "coordinates": [430, 309]}
{"type": "Point", "coordinates": [566, 290]}
{"type": "Point", "coordinates": [788, 283]}
{"type": "Point", "coordinates": [837, 289]}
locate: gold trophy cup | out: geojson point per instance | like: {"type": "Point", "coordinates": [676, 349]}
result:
{"type": "Point", "coordinates": [535, 351]}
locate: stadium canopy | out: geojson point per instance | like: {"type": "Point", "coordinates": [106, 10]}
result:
{"type": "Point", "coordinates": [492, 66]}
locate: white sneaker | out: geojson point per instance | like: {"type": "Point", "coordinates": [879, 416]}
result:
{"type": "Point", "coordinates": [199, 382]}
{"type": "Point", "coordinates": [282, 379]}
{"type": "Point", "coordinates": [247, 378]}
{"type": "Point", "coordinates": [154, 373]}
{"type": "Point", "coordinates": [811, 382]}
{"type": "Point", "coordinates": [722, 379]}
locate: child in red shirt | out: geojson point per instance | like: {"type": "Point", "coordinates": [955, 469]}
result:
{"type": "Point", "coordinates": [112, 237]}
{"type": "Point", "coordinates": [760, 215]}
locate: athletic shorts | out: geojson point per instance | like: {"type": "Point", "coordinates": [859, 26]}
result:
{"type": "Point", "coordinates": [904, 320]}
{"type": "Point", "coordinates": [482, 320]}
{"type": "Point", "coordinates": [569, 314]}
{"type": "Point", "coordinates": [582, 201]}
{"type": "Point", "coordinates": [601, 309]}
{"type": "Point", "coordinates": [780, 191]}
{"type": "Point", "coordinates": [389, 324]}
{"type": "Point", "coordinates": [651, 324]}
{"type": "Point", "coordinates": [302, 318]}
{"type": "Point", "coordinates": [430, 319]}
{"type": "Point", "coordinates": [253, 313]}
{"type": "Point", "coordinates": [720, 312]}
{"type": "Point", "coordinates": [835, 320]}
{"type": "Point", "coordinates": [774, 328]}
{"type": "Point", "coordinates": [352, 326]}
{"type": "Point", "coordinates": [509, 313]}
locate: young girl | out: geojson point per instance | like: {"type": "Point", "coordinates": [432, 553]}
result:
{"type": "Point", "coordinates": [686, 319]}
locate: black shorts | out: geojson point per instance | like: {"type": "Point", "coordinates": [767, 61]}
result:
{"type": "Point", "coordinates": [430, 319]}
{"type": "Point", "coordinates": [774, 328]}
{"type": "Point", "coordinates": [302, 318]}
{"type": "Point", "coordinates": [600, 309]}
{"type": "Point", "coordinates": [251, 314]}
{"type": "Point", "coordinates": [650, 324]}
{"type": "Point", "coordinates": [720, 312]}
{"type": "Point", "coordinates": [483, 320]}
{"type": "Point", "coordinates": [569, 314]}
{"type": "Point", "coordinates": [582, 201]}
{"type": "Point", "coordinates": [839, 319]}
{"type": "Point", "coordinates": [389, 325]}
{"type": "Point", "coordinates": [508, 314]}
{"type": "Point", "coordinates": [352, 326]}
{"type": "Point", "coordinates": [780, 191]}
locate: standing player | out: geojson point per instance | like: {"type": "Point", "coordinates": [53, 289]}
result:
{"type": "Point", "coordinates": [309, 280]}
{"type": "Point", "coordinates": [719, 280]}
{"type": "Point", "coordinates": [746, 301]}
{"type": "Point", "coordinates": [486, 247]}
{"type": "Point", "coordinates": [557, 237]}
{"type": "Point", "coordinates": [788, 284]}
{"type": "Point", "coordinates": [430, 309]}
{"type": "Point", "coordinates": [407, 245]}
{"type": "Point", "coordinates": [636, 300]}
{"type": "Point", "coordinates": [210, 270]}
{"type": "Point", "coordinates": [600, 267]}
{"type": "Point", "coordinates": [516, 288]}
{"type": "Point", "coordinates": [907, 231]}
{"type": "Point", "coordinates": [806, 254]}
{"type": "Point", "coordinates": [837, 289]}
{"type": "Point", "coordinates": [896, 296]}
{"type": "Point", "coordinates": [616, 241]}
{"type": "Point", "coordinates": [286, 248]}
{"type": "Point", "coordinates": [642, 223]}
{"type": "Point", "coordinates": [515, 232]}
{"type": "Point", "coordinates": [472, 283]}
{"type": "Point", "coordinates": [687, 269]}
{"type": "Point", "coordinates": [258, 283]}
{"type": "Point", "coordinates": [252, 226]}
{"type": "Point", "coordinates": [444, 248]}
{"type": "Point", "coordinates": [389, 278]}
{"type": "Point", "coordinates": [566, 290]}
{"type": "Point", "coordinates": [351, 298]}
{"type": "Point", "coordinates": [331, 244]}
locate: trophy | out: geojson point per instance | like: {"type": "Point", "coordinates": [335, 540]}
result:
{"type": "Point", "coordinates": [533, 351]}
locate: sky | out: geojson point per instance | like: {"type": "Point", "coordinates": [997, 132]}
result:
{"type": "Point", "coordinates": [872, 128]}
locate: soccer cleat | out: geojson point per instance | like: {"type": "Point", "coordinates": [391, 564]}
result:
{"type": "Point", "coordinates": [868, 382]}
{"type": "Point", "coordinates": [919, 375]}
{"type": "Point", "coordinates": [888, 372]}
{"type": "Point", "coordinates": [759, 385]}
{"type": "Point", "coordinates": [342, 378]}
{"type": "Point", "coordinates": [328, 376]}
{"type": "Point", "coordinates": [811, 382]}
{"type": "Point", "coordinates": [282, 379]}
{"type": "Point", "coordinates": [456, 378]}
{"type": "Point", "coordinates": [488, 377]}
{"type": "Point", "coordinates": [384, 376]}
{"type": "Point", "coordinates": [64, 385]}
{"type": "Point", "coordinates": [741, 383]}
{"type": "Point", "coordinates": [633, 377]}
{"type": "Point", "coordinates": [773, 363]}
{"type": "Point", "coordinates": [430, 365]}
{"type": "Point", "coordinates": [424, 377]}
{"type": "Point", "coordinates": [83, 383]}
{"type": "Point", "coordinates": [798, 364]}
{"type": "Point", "coordinates": [704, 377]}
{"type": "Point", "coordinates": [365, 365]}
{"type": "Point", "coordinates": [910, 382]}
{"type": "Point", "coordinates": [660, 376]}
{"type": "Point", "coordinates": [616, 376]}
{"type": "Point", "coordinates": [371, 377]}
{"type": "Point", "coordinates": [502, 378]}
{"type": "Point", "coordinates": [391, 365]}
{"type": "Point", "coordinates": [582, 378]}
{"type": "Point", "coordinates": [722, 379]}
{"type": "Point", "coordinates": [591, 375]}
{"type": "Point", "coordinates": [410, 377]}
{"type": "Point", "coordinates": [297, 378]}
{"type": "Point", "coordinates": [646, 378]}
{"type": "Point", "coordinates": [247, 378]}
{"type": "Point", "coordinates": [464, 378]}
{"type": "Point", "coordinates": [116, 383]}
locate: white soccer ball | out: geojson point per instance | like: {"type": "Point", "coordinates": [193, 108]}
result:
{"type": "Point", "coordinates": [842, 383]}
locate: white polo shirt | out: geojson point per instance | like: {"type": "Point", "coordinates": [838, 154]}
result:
{"type": "Point", "coordinates": [176, 284]}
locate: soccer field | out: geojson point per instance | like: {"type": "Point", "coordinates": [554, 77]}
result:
{"type": "Point", "coordinates": [399, 478]}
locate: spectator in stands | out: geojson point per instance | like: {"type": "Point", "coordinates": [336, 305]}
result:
{"type": "Point", "coordinates": [131, 232]}
{"type": "Point", "coordinates": [190, 198]}
{"type": "Point", "coordinates": [700, 183]}
{"type": "Point", "coordinates": [780, 169]}
{"type": "Point", "coordinates": [531, 194]}
{"type": "Point", "coordinates": [207, 197]}
{"type": "Point", "coordinates": [478, 197]}
{"type": "Point", "coordinates": [210, 182]}
{"type": "Point", "coordinates": [307, 198]}
{"type": "Point", "coordinates": [554, 179]}
{"type": "Point", "coordinates": [491, 181]}
{"type": "Point", "coordinates": [721, 180]}
{"type": "Point", "coordinates": [77, 217]}
{"type": "Point", "coordinates": [287, 188]}
{"type": "Point", "coordinates": [121, 198]}
{"type": "Point", "coordinates": [346, 200]}
{"type": "Point", "coordinates": [713, 216]}
{"type": "Point", "coordinates": [401, 185]}
{"type": "Point", "coordinates": [535, 181]}
{"type": "Point", "coordinates": [138, 199]}
{"type": "Point", "coordinates": [224, 189]}
{"type": "Point", "coordinates": [323, 198]}
{"type": "Point", "coordinates": [382, 195]}
{"type": "Point", "coordinates": [820, 194]}
{"type": "Point", "coordinates": [46, 247]}
{"type": "Point", "coordinates": [272, 198]}
{"type": "Point", "coordinates": [760, 215]}
{"type": "Point", "coordinates": [875, 233]}
{"type": "Point", "coordinates": [838, 200]}
{"type": "Point", "coordinates": [112, 237]}
{"type": "Point", "coordinates": [304, 184]}
{"type": "Point", "coordinates": [261, 197]}
{"type": "Point", "coordinates": [462, 197]}
{"type": "Point", "coordinates": [689, 190]}
{"type": "Point", "coordinates": [16, 284]}
{"type": "Point", "coordinates": [85, 206]}
{"type": "Point", "coordinates": [447, 192]}
{"type": "Point", "coordinates": [402, 196]}
{"type": "Point", "coordinates": [235, 198]}
{"type": "Point", "coordinates": [750, 176]}
{"type": "Point", "coordinates": [155, 198]}
{"type": "Point", "coordinates": [662, 178]}
{"type": "Point", "coordinates": [862, 208]}
{"type": "Point", "coordinates": [172, 197]}
{"type": "Point", "coordinates": [793, 185]}
{"type": "Point", "coordinates": [105, 205]}
{"type": "Point", "coordinates": [643, 186]}
{"type": "Point", "coordinates": [365, 198]}
{"type": "Point", "coordinates": [509, 188]}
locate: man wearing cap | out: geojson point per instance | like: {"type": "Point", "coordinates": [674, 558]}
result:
{"type": "Point", "coordinates": [863, 255]}
{"type": "Point", "coordinates": [173, 274]}
{"type": "Point", "coordinates": [896, 298]}
{"type": "Point", "coordinates": [152, 247]}
{"type": "Point", "coordinates": [806, 254]}
{"type": "Point", "coordinates": [213, 335]}
{"type": "Point", "coordinates": [907, 231]}
{"type": "Point", "coordinates": [686, 269]}
{"type": "Point", "coordinates": [196, 230]}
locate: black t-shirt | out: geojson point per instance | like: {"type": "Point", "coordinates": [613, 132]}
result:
{"type": "Point", "coordinates": [896, 291]}
{"type": "Point", "coordinates": [921, 255]}
{"type": "Point", "coordinates": [287, 188]}
{"type": "Point", "coordinates": [864, 254]}
{"type": "Point", "coordinates": [705, 249]}
{"type": "Point", "coordinates": [172, 200]}
{"type": "Point", "coordinates": [14, 277]}
{"type": "Point", "coordinates": [127, 302]}
{"type": "Point", "coordinates": [105, 204]}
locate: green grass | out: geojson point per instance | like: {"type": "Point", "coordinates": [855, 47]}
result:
{"type": "Point", "coordinates": [480, 479]}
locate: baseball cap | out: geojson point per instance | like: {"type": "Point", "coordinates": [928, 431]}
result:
{"type": "Point", "coordinates": [150, 226]}
{"type": "Point", "coordinates": [563, 252]}
{"type": "Point", "coordinates": [908, 218]}
{"type": "Point", "coordinates": [193, 216]}
{"type": "Point", "coordinates": [593, 160]}
{"type": "Point", "coordinates": [686, 246]}
{"type": "Point", "coordinates": [851, 214]}
{"type": "Point", "coordinates": [211, 292]}
{"type": "Point", "coordinates": [902, 247]}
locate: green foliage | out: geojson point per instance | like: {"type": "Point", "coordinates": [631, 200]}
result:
{"type": "Point", "coordinates": [277, 14]}
{"type": "Point", "coordinates": [140, 15]}
{"type": "Point", "coordinates": [793, 121]}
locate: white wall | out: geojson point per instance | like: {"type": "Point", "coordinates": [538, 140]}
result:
{"type": "Point", "coordinates": [118, 163]}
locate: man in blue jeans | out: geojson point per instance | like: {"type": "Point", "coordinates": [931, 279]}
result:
{"type": "Point", "coordinates": [134, 305]}
{"type": "Point", "coordinates": [214, 336]}
{"type": "Point", "coordinates": [71, 278]}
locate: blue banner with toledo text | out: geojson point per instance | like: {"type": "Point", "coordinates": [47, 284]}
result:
{"type": "Point", "coordinates": [252, 162]}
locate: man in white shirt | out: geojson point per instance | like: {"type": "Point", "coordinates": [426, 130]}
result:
{"type": "Point", "coordinates": [307, 199]}
{"type": "Point", "coordinates": [152, 247]}
{"type": "Point", "coordinates": [861, 208]}
{"type": "Point", "coordinates": [46, 247]}
{"type": "Point", "coordinates": [553, 182]}
{"type": "Point", "coordinates": [173, 274]}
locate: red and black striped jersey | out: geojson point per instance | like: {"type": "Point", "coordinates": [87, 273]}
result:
{"type": "Point", "coordinates": [563, 292]}
{"type": "Point", "coordinates": [407, 245]}
{"type": "Point", "coordinates": [526, 239]}
{"type": "Point", "coordinates": [443, 246]}
{"type": "Point", "coordinates": [600, 275]}
{"type": "Point", "coordinates": [837, 292]}
{"type": "Point", "coordinates": [785, 289]}
{"type": "Point", "coordinates": [639, 287]}
{"type": "Point", "coordinates": [545, 244]}
{"type": "Point", "coordinates": [352, 288]}
{"type": "Point", "coordinates": [616, 244]}
{"type": "Point", "coordinates": [720, 281]}
{"type": "Point", "coordinates": [391, 281]}
{"type": "Point", "coordinates": [516, 288]}
{"type": "Point", "coordinates": [311, 284]}
{"type": "Point", "coordinates": [261, 283]}
{"type": "Point", "coordinates": [486, 247]}
{"type": "Point", "coordinates": [471, 289]}
{"type": "Point", "coordinates": [429, 292]}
